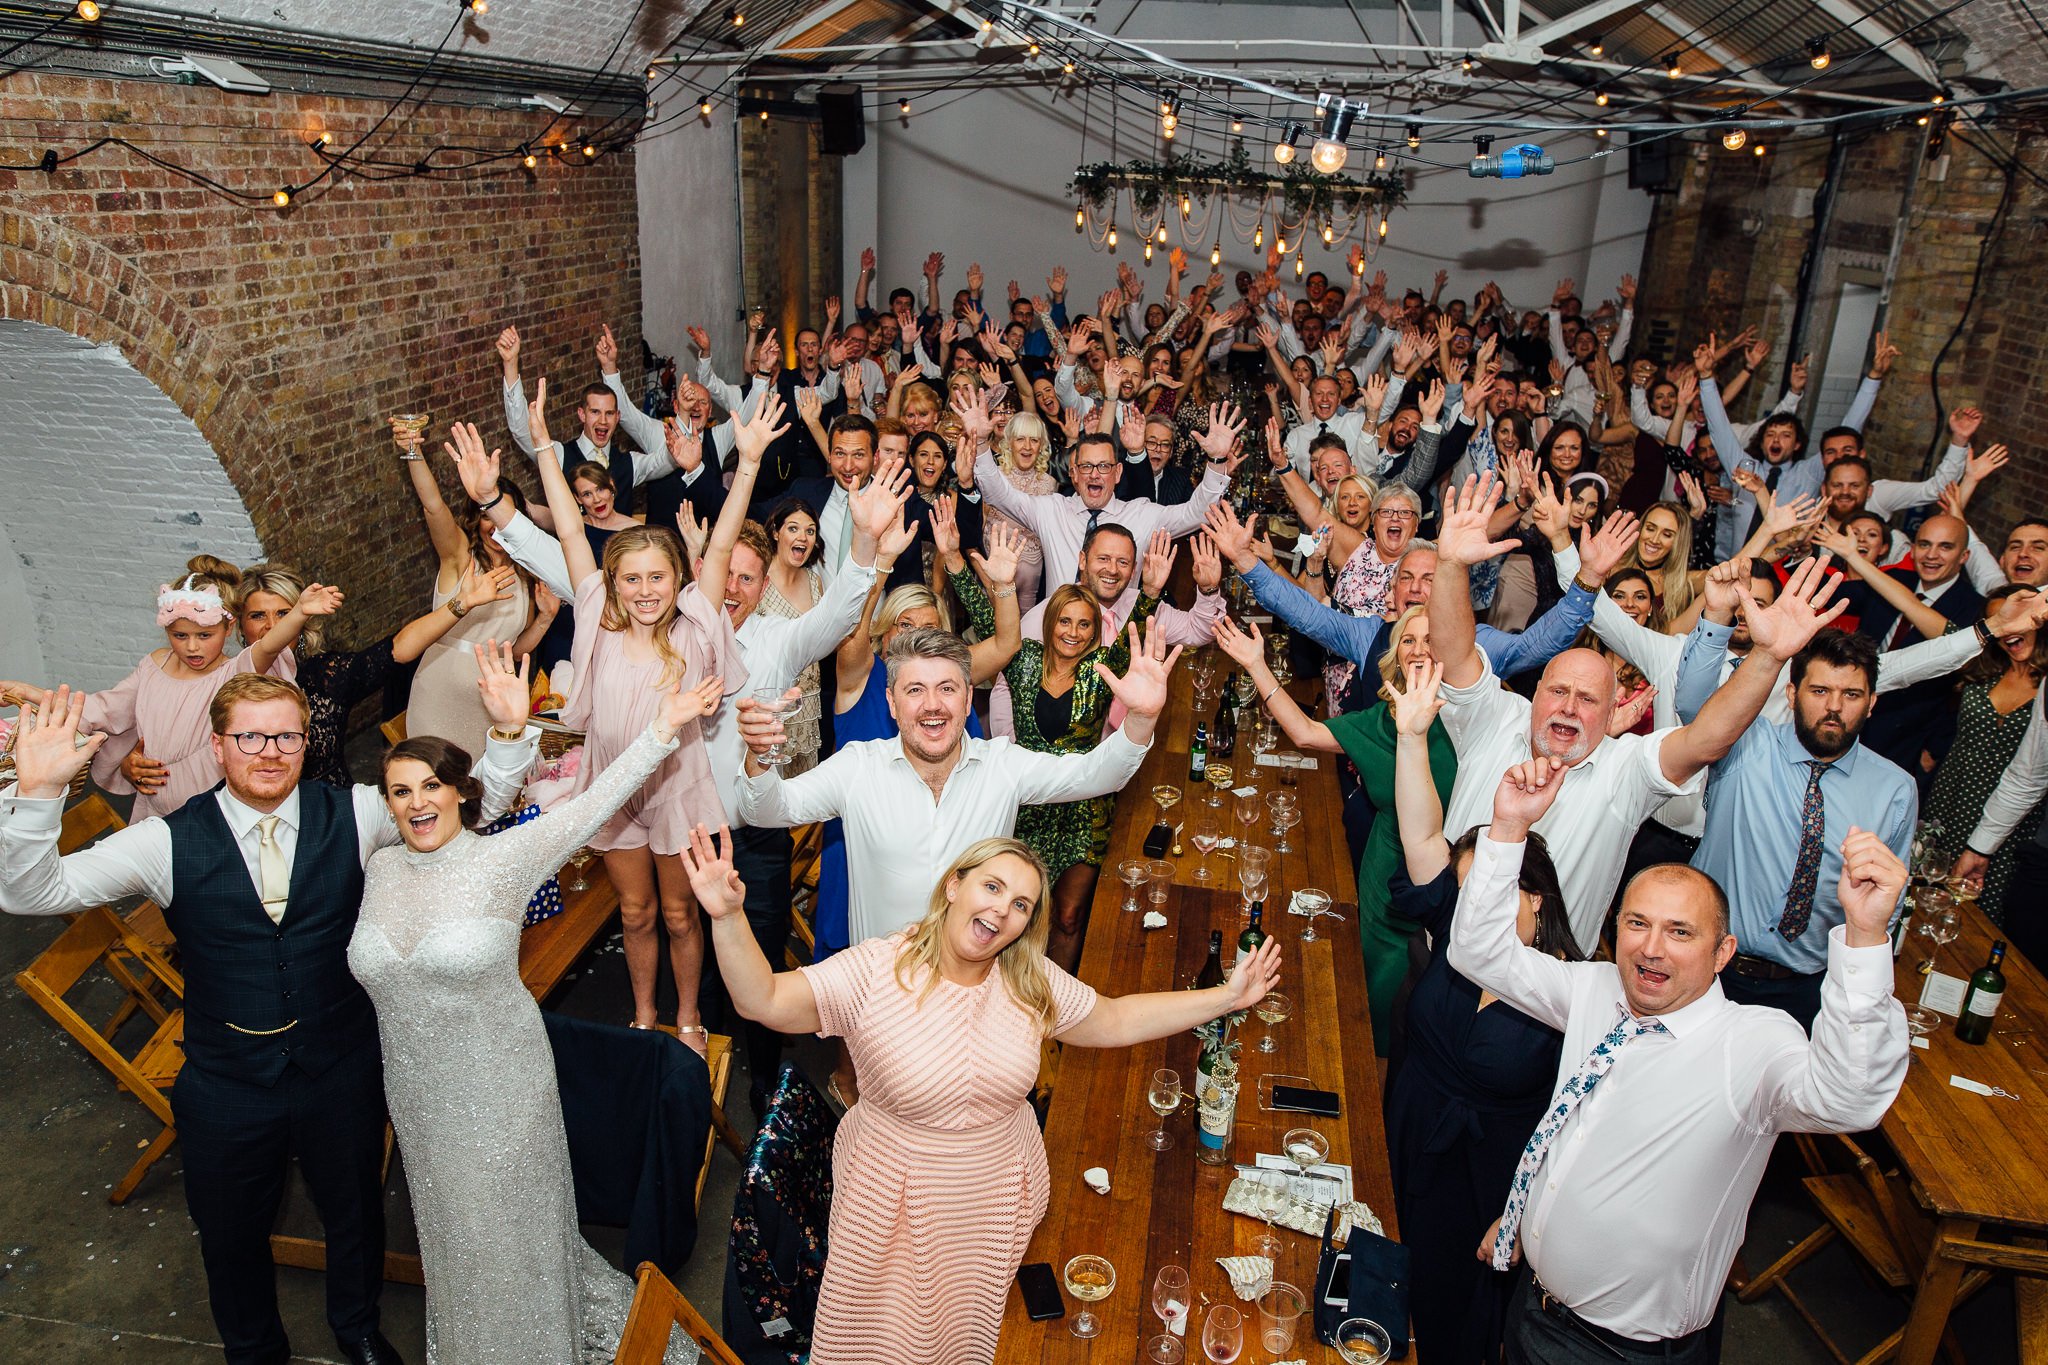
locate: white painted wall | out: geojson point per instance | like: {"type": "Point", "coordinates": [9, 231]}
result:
{"type": "Point", "coordinates": [113, 490]}
{"type": "Point", "coordinates": [689, 233]}
{"type": "Point", "coordinates": [983, 175]}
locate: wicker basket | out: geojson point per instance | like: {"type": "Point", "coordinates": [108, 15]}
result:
{"type": "Point", "coordinates": [556, 738]}
{"type": "Point", "coordinates": [79, 783]}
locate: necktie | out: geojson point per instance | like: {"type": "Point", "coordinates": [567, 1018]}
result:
{"type": "Point", "coordinates": [1597, 1064]}
{"type": "Point", "coordinates": [1322, 428]}
{"type": "Point", "coordinates": [276, 874]}
{"type": "Point", "coordinates": [1756, 515]}
{"type": "Point", "coordinates": [1903, 628]}
{"type": "Point", "coordinates": [1094, 516]}
{"type": "Point", "coordinates": [842, 534]}
{"type": "Point", "coordinates": [1806, 867]}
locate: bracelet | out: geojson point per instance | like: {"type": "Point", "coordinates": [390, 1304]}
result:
{"type": "Point", "coordinates": [1268, 696]}
{"type": "Point", "coordinates": [497, 732]}
{"type": "Point", "coordinates": [487, 506]}
{"type": "Point", "coordinates": [1006, 592]}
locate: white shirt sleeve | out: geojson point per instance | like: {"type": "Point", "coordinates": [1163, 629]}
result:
{"type": "Point", "coordinates": [2021, 786]}
{"type": "Point", "coordinates": [804, 639]}
{"type": "Point", "coordinates": [768, 802]}
{"type": "Point", "coordinates": [647, 432]}
{"type": "Point", "coordinates": [537, 552]}
{"type": "Point", "coordinates": [1892, 495]}
{"type": "Point", "coordinates": [516, 415]}
{"type": "Point", "coordinates": [1045, 779]}
{"type": "Point", "coordinates": [34, 880]}
{"type": "Point", "coordinates": [725, 395]}
{"type": "Point", "coordinates": [1483, 943]}
{"type": "Point", "coordinates": [1846, 1076]}
{"type": "Point", "coordinates": [1936, 658]}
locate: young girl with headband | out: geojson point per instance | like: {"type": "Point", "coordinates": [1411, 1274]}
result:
{"type": "Point", "coordinates": [160, 709]}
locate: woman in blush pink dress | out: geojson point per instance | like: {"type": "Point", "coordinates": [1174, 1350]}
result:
{"type": "Point", "coordinates": [938, 1172]}
{"type": "Point", "coordinates": [642, 626]}
{"type": "Point", "coordinates": [159, 736]}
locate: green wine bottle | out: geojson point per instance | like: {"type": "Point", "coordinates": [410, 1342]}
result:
{"type": "Point", "coordinates": [1980, 1002]}
{"type": "Point", "coordinates": [1254, 933]}
{"type": "Point", "coordinates": [1212, 970]}
{"type": "Point", "coordinates": [1198, 755]}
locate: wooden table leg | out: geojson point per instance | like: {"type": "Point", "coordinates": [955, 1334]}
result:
{"type": "Point", "coordinates": [1936, 1294]}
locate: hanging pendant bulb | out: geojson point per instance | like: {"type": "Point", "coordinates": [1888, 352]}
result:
{"type": "Point", "coordinates": [1186, 204]}
{"type": "Point", "coordinates": [1161, 234]}
{"type": "Point", "coordinates": [1080, 218]}
{"type": "Point", "coordinates": [1259, 234]}
{"type": "Point", "coordinates": [1329, 234]}
{"type": "Point", "coordinates": [1112, 237]}
{"type": "Point", "coordinates": [1600, 98]}
{"type": "Point", "coordinates": [1148, 253]}
{"type": "Point", "coordinates": [1733, 139]}
{"type": "Point", "coordinates": [1414, 136]}
{"type": "Point", "coordinates": [1383, 227]}
{"type": "Point", "coordinates": [1216, 253]}
{"type": "Point", "coordinates": [1379, 159]}
{"type": "Point", "coordinates": [1280, 245]}
{"type": "Point", "coordinates": [1300, 267]}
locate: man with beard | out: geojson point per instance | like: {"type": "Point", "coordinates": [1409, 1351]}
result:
{"type": "Point", "coordinates": [1783, 800]}
{"type": "Point", "coordinates": [913, 803]}
{"type": "Point", "coordinates": [1610, 785]}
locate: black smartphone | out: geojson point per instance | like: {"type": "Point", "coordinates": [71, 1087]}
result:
{"type": "Point", "coordinates": [1159, 840]}
{"type": "Point", "coordinates": [1042, 1301]}
{"type": "Point", "coordinates": [1304, 1101]}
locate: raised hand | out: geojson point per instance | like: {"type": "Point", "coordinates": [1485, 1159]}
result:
{"type": "Point", "coordinates": [1005, 543]}
{"type": "Point", "coordinates": [536, 419]}
{"type": "Point", "coordinates": [695, 531]}
{"type": "Point", "coordinates": [874, 505]}
{"type": "Point", "coordinates": [1374, 394]}
{"type": "Point", "coordinates": [545, 603]}
{"type": "Point", "coordinates": [2024, 610]}
{"type": "Point", "coordinates": [701, 339]}
{"type": "Point", "coordinates": [1056, 283]}
{"type": "Point", "coordinates": [1872, 878]}
{"type": "Point", "coordinates": [1142, 688]}
{"type": "Point", "coordinates": [1220, 437]}
{"type": "Point", "coordinates": [832, 310]}
{"type": "Point", "coordinates": [1882, 354]}
{"type": "Point", "coordinates": [1246, 648]}
{"type": "Point", "coordinates": [974, 279]}
{"type": "Point", "coordinates": [712, 876]}
{"type": "Point", "coordinates": [1695, 496]}
{"type": "Point", "coordinates": [867, 260]}
{"type": "Point", "coordinates": [1705, 359]}
{"type": "Point", "coordinates": [48, 752]}
{"type": "Point", "coordinates": [1462, 538]}
{"type": "Point", "coordinates": [1253, 977]}
{"type": "Point", "coordinates": [752, 437]}
{"type": "Point", "coordinates": [1415, 705]}
{"type": "Point", "coordinates": [477, 469]}
{"type": "Point", "coordinates": [760, 730]}
{"type": "Point", "coordinates": [1160, 554]}
{"type": "Point", "coordinates": [507, 696]}
{"type": "Point", "coordinates": [851, 383]}
{"type": "Point", "coordinates": [1601, 552]}
{"type": "Point", "coordinates": [508, 349]}
{"type": "Point", "coordinates": [1797, 371]}
{"type": "Point", "coordinates": [1431, 403]}
{"type": "Point", "coordinates": [1208, 564]}
{"type": "Point", "coordinates": [681, 705]}
{"type": "Point", "coordinates": [1723, 589]}
{"type": "Point", "coordinates": [946, 528]}
{"type": "Point", "coordinates": [1131, 430]}
{"type": "Point", "coordinates": [320, 599]}
{"type": "Point", "coordinates": [975, 422]}
{"type": "Point", "coordinates": [1627, 289]}
{"type": "Point", "coordinates": [1801, 611]}
{"type": "Point", "coordinates": [685, 447]}
{"type": "Point", "coordinates": [607, 351]}
{"type": "Point", "coordinates": [1963, 424]}
{"type": "Point", "coordinates": [1630, 710]}
{"type": "Point", "coordinates": [1981, 467]}
{"type": "Point", "coordinates": [1525, 795]}
{"type": "Point", "coordinates": [1547, 512]}
{"type": "Point", "coordinates": [1233, 538]}
{"type": "Point", "coordinates": [810, 406]}
{"type": "Point", "coordinates": [1563, 291]}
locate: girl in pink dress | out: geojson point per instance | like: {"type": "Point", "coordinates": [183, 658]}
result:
{"type": "Point", "coordinates": [642, 626]}
{"type": "Point", "coordinates": [938, 1173]}
{"type": "Point", "coordinates": [159, 734]}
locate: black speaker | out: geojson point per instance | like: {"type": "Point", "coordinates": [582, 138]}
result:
{"type": "Point", "coordinates": [1653, 163]}
{"type": "Point", "coordinates": [842, 119]}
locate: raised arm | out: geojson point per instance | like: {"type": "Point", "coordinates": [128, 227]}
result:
{"type": "Point", "coordinates": [1930, 623]}
{"type": "Point", "coordinates": [749, 439]}
{"type": "Point", "coordinates": [1484, 947]}
{"type": "Point", "coordinates": [1127, 1020]}
{"type": "Point", "coordinates": [1461, 543]}
{"type": "Point", "coordinates": [1418, 809]}
{"type": "Point", "coordinates": [412, 639]}
{"type": "Point", "coordinates": [317, 600]}
{"type": "Point", "coordinates": [782, 1001]}
{"type": "Point", "coordinates": [451, 546]}
{"type": "Point", "coordinates": [1249, 651]}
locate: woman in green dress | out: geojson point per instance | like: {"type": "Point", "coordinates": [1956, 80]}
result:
{"type": "Point", "coordinates": [1367, 738]}
{"type": "Point", "coordinates": [1059, 705]}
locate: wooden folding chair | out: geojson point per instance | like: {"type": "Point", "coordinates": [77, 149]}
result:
{"type": "Point", "coordinates": [1872, 1211]}
{"type": "Point", "coordinates": [803, 896]}
{"type": "Point", "coordinates": [718, 1057]}
{"type": "Point", "coordinates": [393, 730]}
{"type": "Point", "coordinates": [148, 1074]}
{"type": "Point", "coordinates": [86, 821]}
{"type": "Point", "coordinates": [658, 1309]}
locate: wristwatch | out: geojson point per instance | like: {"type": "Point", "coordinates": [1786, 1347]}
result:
{"type": "Point", "coordinates": [1984, 635]}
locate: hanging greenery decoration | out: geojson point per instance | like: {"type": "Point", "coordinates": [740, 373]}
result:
{"type": "Point", "coordinates": [1301, 190]}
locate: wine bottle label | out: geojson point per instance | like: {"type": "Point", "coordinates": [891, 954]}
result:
{"type": "Point", "coordinates": [1984, 1003]}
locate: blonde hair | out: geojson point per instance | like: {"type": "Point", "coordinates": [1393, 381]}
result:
{"type": "Point", "coordinates": [1024, 424]}
{"type": "Point", "coordinates": [1063, 597]}
{"type": "Point", "coordinates": [1673, 579]}
{"type": "Point", "coordinates": [280, 581]}
{"type": "Point", "coordinates": [631, 541]}
{"type": "Point", "coordinates": [1390, 667]}
{"type": "Point", "coordinates": [922, 396]}
{"type": "Point", "coordinates": [253, 687]}
{"type": "Point", "coordinates": [1372, 494]}
{"type": "Point", "coordinates": [1022, 962]}
{"type": "Point", "coordinates": [909, 597]}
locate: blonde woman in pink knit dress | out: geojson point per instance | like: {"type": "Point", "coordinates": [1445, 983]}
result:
{"type": "Point", "coordinates": [155, 719]}
{"type": "Point", "coordinates": [938, 1173]}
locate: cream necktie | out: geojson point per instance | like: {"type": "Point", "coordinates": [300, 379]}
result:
{"type": "Point", "coordinates": [842, 538]}
{"type": "Point", "coordinates": [277, 875]}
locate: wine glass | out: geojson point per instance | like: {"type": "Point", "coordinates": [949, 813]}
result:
{"type": "Point", "coordinates": [1132, 873]}
{"type": "Point", "coordinates": [1223, 1334]}
{"type": "Point", "coordinates": [580, 859]}
{"type": "Point", "coordinates": [1089, 1279]}
{"type": "Point", "coordinates": [1313, 901]}
{"type": "Point", "coordinates": [1167, 796]}
{"type": "Point", "coordinates": [1159, 874]}
{"type": "Point", "coordinates": [1163, 1094]}
{"type": "Point", "coordinates": [1271, 1197]}
{"type": "Point", "coordinates": [775, 704]}
{"type": "Point", "coordinates": [1273, 1009]}
{"type": "Point", "coordinates": [1361, 1341]}
{"type": "Point", "coordinates": [1205, 838]}
{"type": "Point", "coordinates": [1252, 865]}
{"type": "Point", "coordinates": [1305, 1147]}
{"type": "Point", "coordinates": [1170, 1301]}
{"type": "Point", "coordinates": [1247, 809]}
{"type": "Point", "coordinates": [408, 432]}
{"type": "Point", "coordinates": [1285, 808]}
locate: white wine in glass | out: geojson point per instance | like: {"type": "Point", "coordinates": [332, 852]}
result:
{"type": "Point", "coordinates": [1089, 1279]}
{"type": "Point", "coordinates": [1163, 1095]}
{"type": "Point", "coordinates": [1273, 1009]}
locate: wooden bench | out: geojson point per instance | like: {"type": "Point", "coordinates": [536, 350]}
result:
{"type": "Point", "coordinates": [658, 1309]}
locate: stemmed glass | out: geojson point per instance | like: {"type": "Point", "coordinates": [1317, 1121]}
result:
{"type": "Point", "coordinates": [1223, 1334]}
{"type": "Point", "coordinates": [1220, 777]}
{"type": "Point", "coordinates": [1305, 1147]}
{"type": "Point", "coordinates": [1313, 901]}
{"type": "Point", "coordinates": [1205, 838]}
{"type": "Point", "coordinates": [775, 704]}
{"type": "Point", "coordinates": [1273, 1009]}
{"type": "Point", "coordinates": [408, 433]}
{"type": "Point", "coordinates": [1167, 796]}
{"type": "Point", "coordinates": [1285, 808]}
{"type": "Point", "coordinates": [1271, 1196]}
{"type": "Point", "coordinates": [1163, 1094]}
{"type": "Point", "coordinates": [1132, 873]}
{"type": "Point", "coordinates": [580, 859]}
{"type": "Point", "coordinates": [1247, 816]}
{"type": "Point", "coordinates": [1170, 1301]}
{"type": "Point", "coordinates": [1089, 1279]}
{"type": "Point", "coordinates": [1252, 864]}
{"type": "Point", "coordinates": [1929, 907]}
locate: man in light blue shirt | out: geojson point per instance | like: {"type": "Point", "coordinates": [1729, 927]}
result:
{"type": "Point", "coordinates": [1784, 798]}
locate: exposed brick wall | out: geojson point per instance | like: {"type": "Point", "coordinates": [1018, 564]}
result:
{"type": "Point", "coordinates": [1726, 251]}
{"type": "Point", "coordinates": [288, 337]}
{"type": "Point", "coordinates": [791, 211]}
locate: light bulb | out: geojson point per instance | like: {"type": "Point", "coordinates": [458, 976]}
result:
{"type": "Point", "coordinates": [1280, 245]}
{"type": "Point", "coordinates": [1601, 99]}
{"type": "Point", "coordinates": [1328, 157]}
{"type": "Point", "coordinates": [1112, 238]}
{"type": "Point", "coordinates": [89, 11]}
{"type": "Point", "coordinates": [1599, 132]}
{"type": "Point", "coordinates": [1671, 66]}
{"type": "Point", "coordinates": [1186, 204]}
{"type": "Point", "coordinates": [529, 161]}
{"type": "Point", "coordinates": [1817, 54]}
{"type": "Point", "coordinates": [1383, 229]}
{"type": "Point", "coordinates": [1300, 267]}
{"type": "Point", "coordinates": [902, 106]}
{"type": "Point", "coordinates": [1329, 234]}
{"type": "Point", "coordinates": [1466, 64]}
{"type": "Point", "coordinates": [987, 24]}
{"type": "Point", "coordinates": [1940, 97]}
{"type": "Point", "coordinates": [1169, 122]}
{"type": "Point", "coordinates": [1166, 131]}
{"type": "Point", "coordinates": [1237, 125]}
{"type": "Point", "coordinates": [764, 116]}
{"type": "Point", "coordinates": [705, 108]}
{"type": "Point", "coordinates": [1758, 149]}
{"type": "Point", "coordinates": [1922, 120]}
{"type": "Point", "coordinates": [1032, 50]}
{"type": "Point", "coordinates": [1597, 48]}
{"type": "Point", "coordinates": [1358, 263]}
{"type": "Point", "coordinates": [1162, 234]}
{"type": "Point", "coordinates": [1148, 253]}
{"type": "Point", "coordinates": [1080, 218]}
{"type": "Point", "coordinates": [1733, 139]}
{"type": "Point", "coordinates": [323, 139]}
{"type": "Point", "coordinates": [1067, 69]}
{"type": "Point", "coordinates": [1216, 254]}
{"type": "Point", "coordinates": [589, 150]}
{"type": "Point", "coordinates": [1414, 136]}
{"type": "Point", "coordinates": [282, 198]}
{"type": "Point", "coordinates": [1379, 159]}
{"type": "Point", "coordinates": [1259, 235]}
{"type": "Point", "coordinates": [1283, 152]}
{"type": "Point", "coordinates": [477, 6]}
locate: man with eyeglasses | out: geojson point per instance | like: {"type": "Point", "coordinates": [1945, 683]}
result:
{"type": "Point", "coordinates": [1062, 523]}
{"type": "Point", "coordinates": [261, 880]}
{"type": "Point", "coordinates": [1153, 473]}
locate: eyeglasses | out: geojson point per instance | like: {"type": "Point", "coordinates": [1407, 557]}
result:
{"type": "Point", "coordinates": [1397, 514]}
{"type": "Point", "coordinates": [1094, 467]}
{"type": "Point", "coordinates": [252, 741]}
{"type": "Point", "coordinates": [1160, 445]}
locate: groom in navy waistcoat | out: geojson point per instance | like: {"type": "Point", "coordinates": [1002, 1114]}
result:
{"type": "Point", "coordinates": [261, 881]}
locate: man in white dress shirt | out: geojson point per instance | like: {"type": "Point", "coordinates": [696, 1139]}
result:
{"type": "Point", "coordinates": [911, 804]}
{"type": "Point", "coordinates": [1631, 1196]}
{"type": "Point", "coordinates": [1612, 783]}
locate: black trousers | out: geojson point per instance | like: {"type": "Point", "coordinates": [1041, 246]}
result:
{"type": "Point", "coordinates": [239, 1141]}
{"type": "Point", "coordinates": [1553, 1335]}
{"type": "Point", "coordinates": [1798, 996]}
{"type": "Point", "coordinates": [2026, 906]}
{"type": "Point", "coordinates": [762, 859]}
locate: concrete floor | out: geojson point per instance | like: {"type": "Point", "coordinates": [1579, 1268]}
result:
{"type": "Point", "coordinates": [82, 1281]}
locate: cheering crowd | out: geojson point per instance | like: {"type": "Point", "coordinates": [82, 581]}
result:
{"type": "Point", "coordinates": [1602, 660]}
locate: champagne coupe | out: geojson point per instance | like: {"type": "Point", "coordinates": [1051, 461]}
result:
{"type": "Point", "coordinates": [1205, 838]}
{"type": "Point", "coordinates": [1273, 1009]}
{"type": "Point", "coordinates": [408, 433]}
{"type": "Point", "coordinates": [1285, 808]}
{"type": "Point", "coordinates": [1223, 1334]}
{"type": "Point", "coordinates": [1160, 875]}
{"type": "Point", "coordinates": [1313, 901]}
{"type": "Point", "coordinates": [775, 704]}
{"type": "Point", "coordinates": [1220, 777]}
{"type": "Point", "coordinates": [1089, 1279]}
{"type": "Point", "coordinates": [1271, 1197]}
{"type": "Point", "coordinates": [1163, 1094]}
{"type": "Point", "coordinates": [579, 860]}
{"type": "Point", "coordinates": [1132, 873]}
{"type": "Point", "coordinates": [1305, 1147]}
{"type": "Point", "coordinates": [1167, 795]}
{"type": "Point", "coordinates": [1361, 1341]}
{"type": "Point", "coordinates": [1170, 1300]}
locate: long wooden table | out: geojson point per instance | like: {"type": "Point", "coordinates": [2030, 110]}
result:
{"type": "Point", "coordinates": [1973, 1159]}
{"type": "Point", "coordinates": [1165, 1207]}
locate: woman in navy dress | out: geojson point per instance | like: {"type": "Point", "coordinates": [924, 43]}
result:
{"type": "Point", "coordinates": [1477, 1073]}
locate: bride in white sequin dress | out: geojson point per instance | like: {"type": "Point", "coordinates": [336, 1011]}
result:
{"type": "Point", "coordinates": [468, 1071]}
